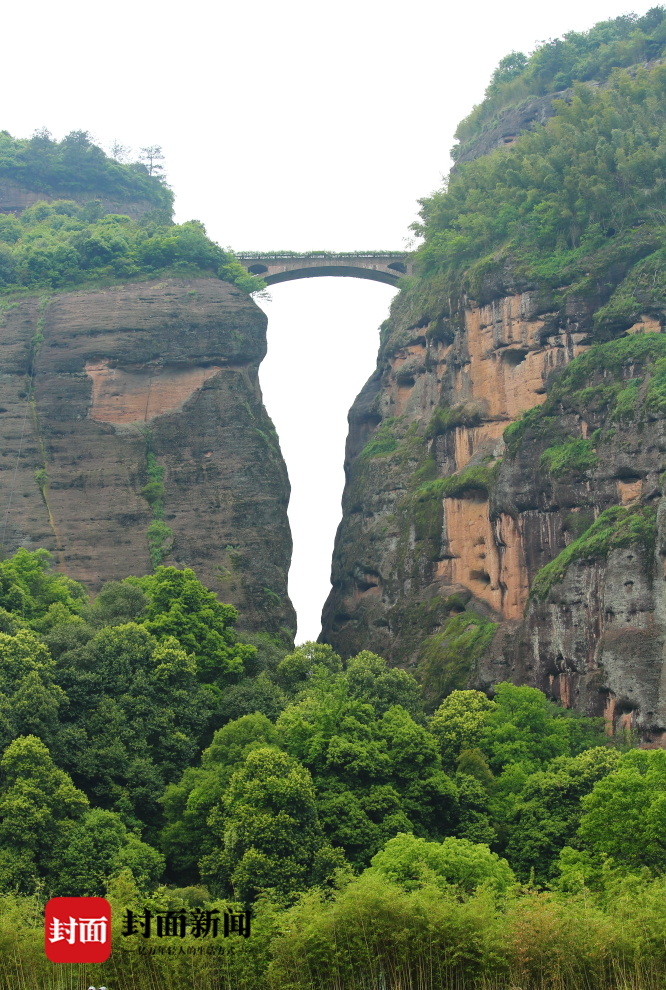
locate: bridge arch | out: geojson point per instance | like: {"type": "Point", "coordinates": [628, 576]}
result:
{"type": "Point", "coordinates": [378, 266]}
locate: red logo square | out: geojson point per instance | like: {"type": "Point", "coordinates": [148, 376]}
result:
{"type": "Point", "coordinates": [77, 929]}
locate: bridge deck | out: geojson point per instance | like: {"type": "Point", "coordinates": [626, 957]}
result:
{"type": "Point", "coordinates": [379, 266]}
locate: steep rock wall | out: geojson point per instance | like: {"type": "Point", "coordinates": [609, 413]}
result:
{"type": "Point", "coordinates": [167, 368]}
{"type": "Point", "coordinates": [446, 525]}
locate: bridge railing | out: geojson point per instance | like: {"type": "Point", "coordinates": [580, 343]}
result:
{"type": "Point", "coordinates": [293, 255]}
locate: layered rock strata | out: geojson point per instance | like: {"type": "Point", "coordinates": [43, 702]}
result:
{"type": "Point", "coordinates": [138, 406]}
{"type": "Point", "coordinates": [15, 198]}
{"type": "Point", "coordinates": [448, 520]}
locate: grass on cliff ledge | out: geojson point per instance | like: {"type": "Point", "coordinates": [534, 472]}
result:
{"type": "Point", "coordinates": [604, 378]}
{"type": "Point", "coordinates": [476, 478]}
{"type": "Point", "coordinates": [575, 456]}
{"type": "Point", "coordinates": [615, 528]}
{"type": "Point", "coordinates": [448, 657]}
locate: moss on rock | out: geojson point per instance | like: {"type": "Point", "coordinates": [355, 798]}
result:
{"type": "Point", "coordinates": [448, 656]}
{"type": "Point", "coordinates": [615, 528]}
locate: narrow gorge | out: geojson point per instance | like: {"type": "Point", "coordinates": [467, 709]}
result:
{"type": "Point", "coordinates": [462, 781]}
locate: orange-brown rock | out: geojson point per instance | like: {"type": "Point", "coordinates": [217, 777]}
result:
{"type": "Point", "coordinates": [167, 366]}
{"type": "Point", "coordinates": [139, 394]}
{"type": "Point", "coordinates": [439, 515]}
{"type": "Point", "coordinates": [487, 374]}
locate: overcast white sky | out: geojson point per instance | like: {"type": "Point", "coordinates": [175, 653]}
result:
{"type": "Point", "coordinates": [291, 124]}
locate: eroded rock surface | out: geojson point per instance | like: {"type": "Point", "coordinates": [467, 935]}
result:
{"type": "Point", "coordinates": [168, 367]}
{"type": "Point", "coordinates": [443, 519]}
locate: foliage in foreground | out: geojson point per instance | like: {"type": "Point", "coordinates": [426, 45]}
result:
{"type": "Point", "coordinates": [257, 772]}
{"type": "Point", "coordinates": [377, 846]}
{"type": "Point", "coordinates": [375, 932]}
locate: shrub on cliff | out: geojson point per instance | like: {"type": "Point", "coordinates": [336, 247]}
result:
{"type": "Point", "coordinates": [558, 63]}
{"type": "Point", "coordinates": [53, 245]}
{"type": "Point", "coordinates": [562, 206]}
{"type": "Point", "coordinates": [77, 165]}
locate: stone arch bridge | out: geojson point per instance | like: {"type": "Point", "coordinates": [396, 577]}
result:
{"type": "Point", "coordinates": [380, 266]}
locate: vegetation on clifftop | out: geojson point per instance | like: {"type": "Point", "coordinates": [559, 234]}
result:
{"type": "Point", "coordinates": [576, 56]}
{"type": "Point", "coordinates": [565, 204]}
{"type": "Point", "coordinates": [77, 165]}
{"type": "Point", "coordinates": [54, 245]}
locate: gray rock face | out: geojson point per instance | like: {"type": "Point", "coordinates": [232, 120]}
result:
{"type": "Point", "coordinates": [167, 368]}
{"type": "Point", "coordinates": [445, 528]}
{"type": "Point", "coordinates": [510, 123]}
{"type": "Point", "coordinates": [15, 199]}
{"type": "Point", "coordinates": [404, 550]}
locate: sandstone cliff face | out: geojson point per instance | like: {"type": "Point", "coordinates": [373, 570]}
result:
{"type": "Point", "coordinates": [161, 368]}
{"type": "Point", "coordinates": [448, 522]}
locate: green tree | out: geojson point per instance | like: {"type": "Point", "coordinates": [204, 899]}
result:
{"type": "Point", "coordinates": [180, 606]}
{"type": "Point", "coordinates": [95, 848]}
{"type": "Point", "coordinates": [294, 670]}
{"type": "Point", "coordinates": [624, 816]}
{"type": "Point", "coordinates": [412, 862]}
{"type": "Point", "coordinates": [36, 801]}
{"type": "Point", "coordinates": [271, 839]}
{"type": "Point", "coordinates": [251, 694]}
{"type": "Point", "coordinates": [30, 701]}
{"type": "Point", "coordinates": [137, 717]}
{"type": "Point", "coordinates": [28, 589]}
{"type": "Point", "coordinates": [475, 784]}
{"type": "Point", "coordinates": [371, 680]}
{"type": "Point", "coordinates": [118, 603]}
{"type": "Point", "coordinates": [459, 723]}
{"type": "Point", "coordinates": [186, 838]}
{"type": "Point", "coordinates": [374, 777]}
{"type": "Point", "coordinates": [549, 811]}
{"type": "Point", "coordinates": [523, 727]}
{"type": "Point", "coordinates": [152, 157]}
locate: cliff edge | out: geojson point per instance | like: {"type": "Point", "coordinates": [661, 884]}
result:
{"type": "Point", "coordinates": [503, 516]}
{"type": "Point", "coordinates": [134, 434]}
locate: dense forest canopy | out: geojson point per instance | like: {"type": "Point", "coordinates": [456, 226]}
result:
{"type": "Point", "coordinates": [252, 769]}
{"type": "Point", "coordinates": [77, 165]}
{"type": "Point", "coordinates": [147, 754]}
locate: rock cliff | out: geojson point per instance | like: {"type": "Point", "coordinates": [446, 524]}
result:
{"type": "Point", "coordinates": [134, 434]}
{"type": "Point", "coordinates": [15, 198]}
{"type": "Point", "coordinates": [503, 515]}
{"type": "Point", "coordinates": [448, 517]}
